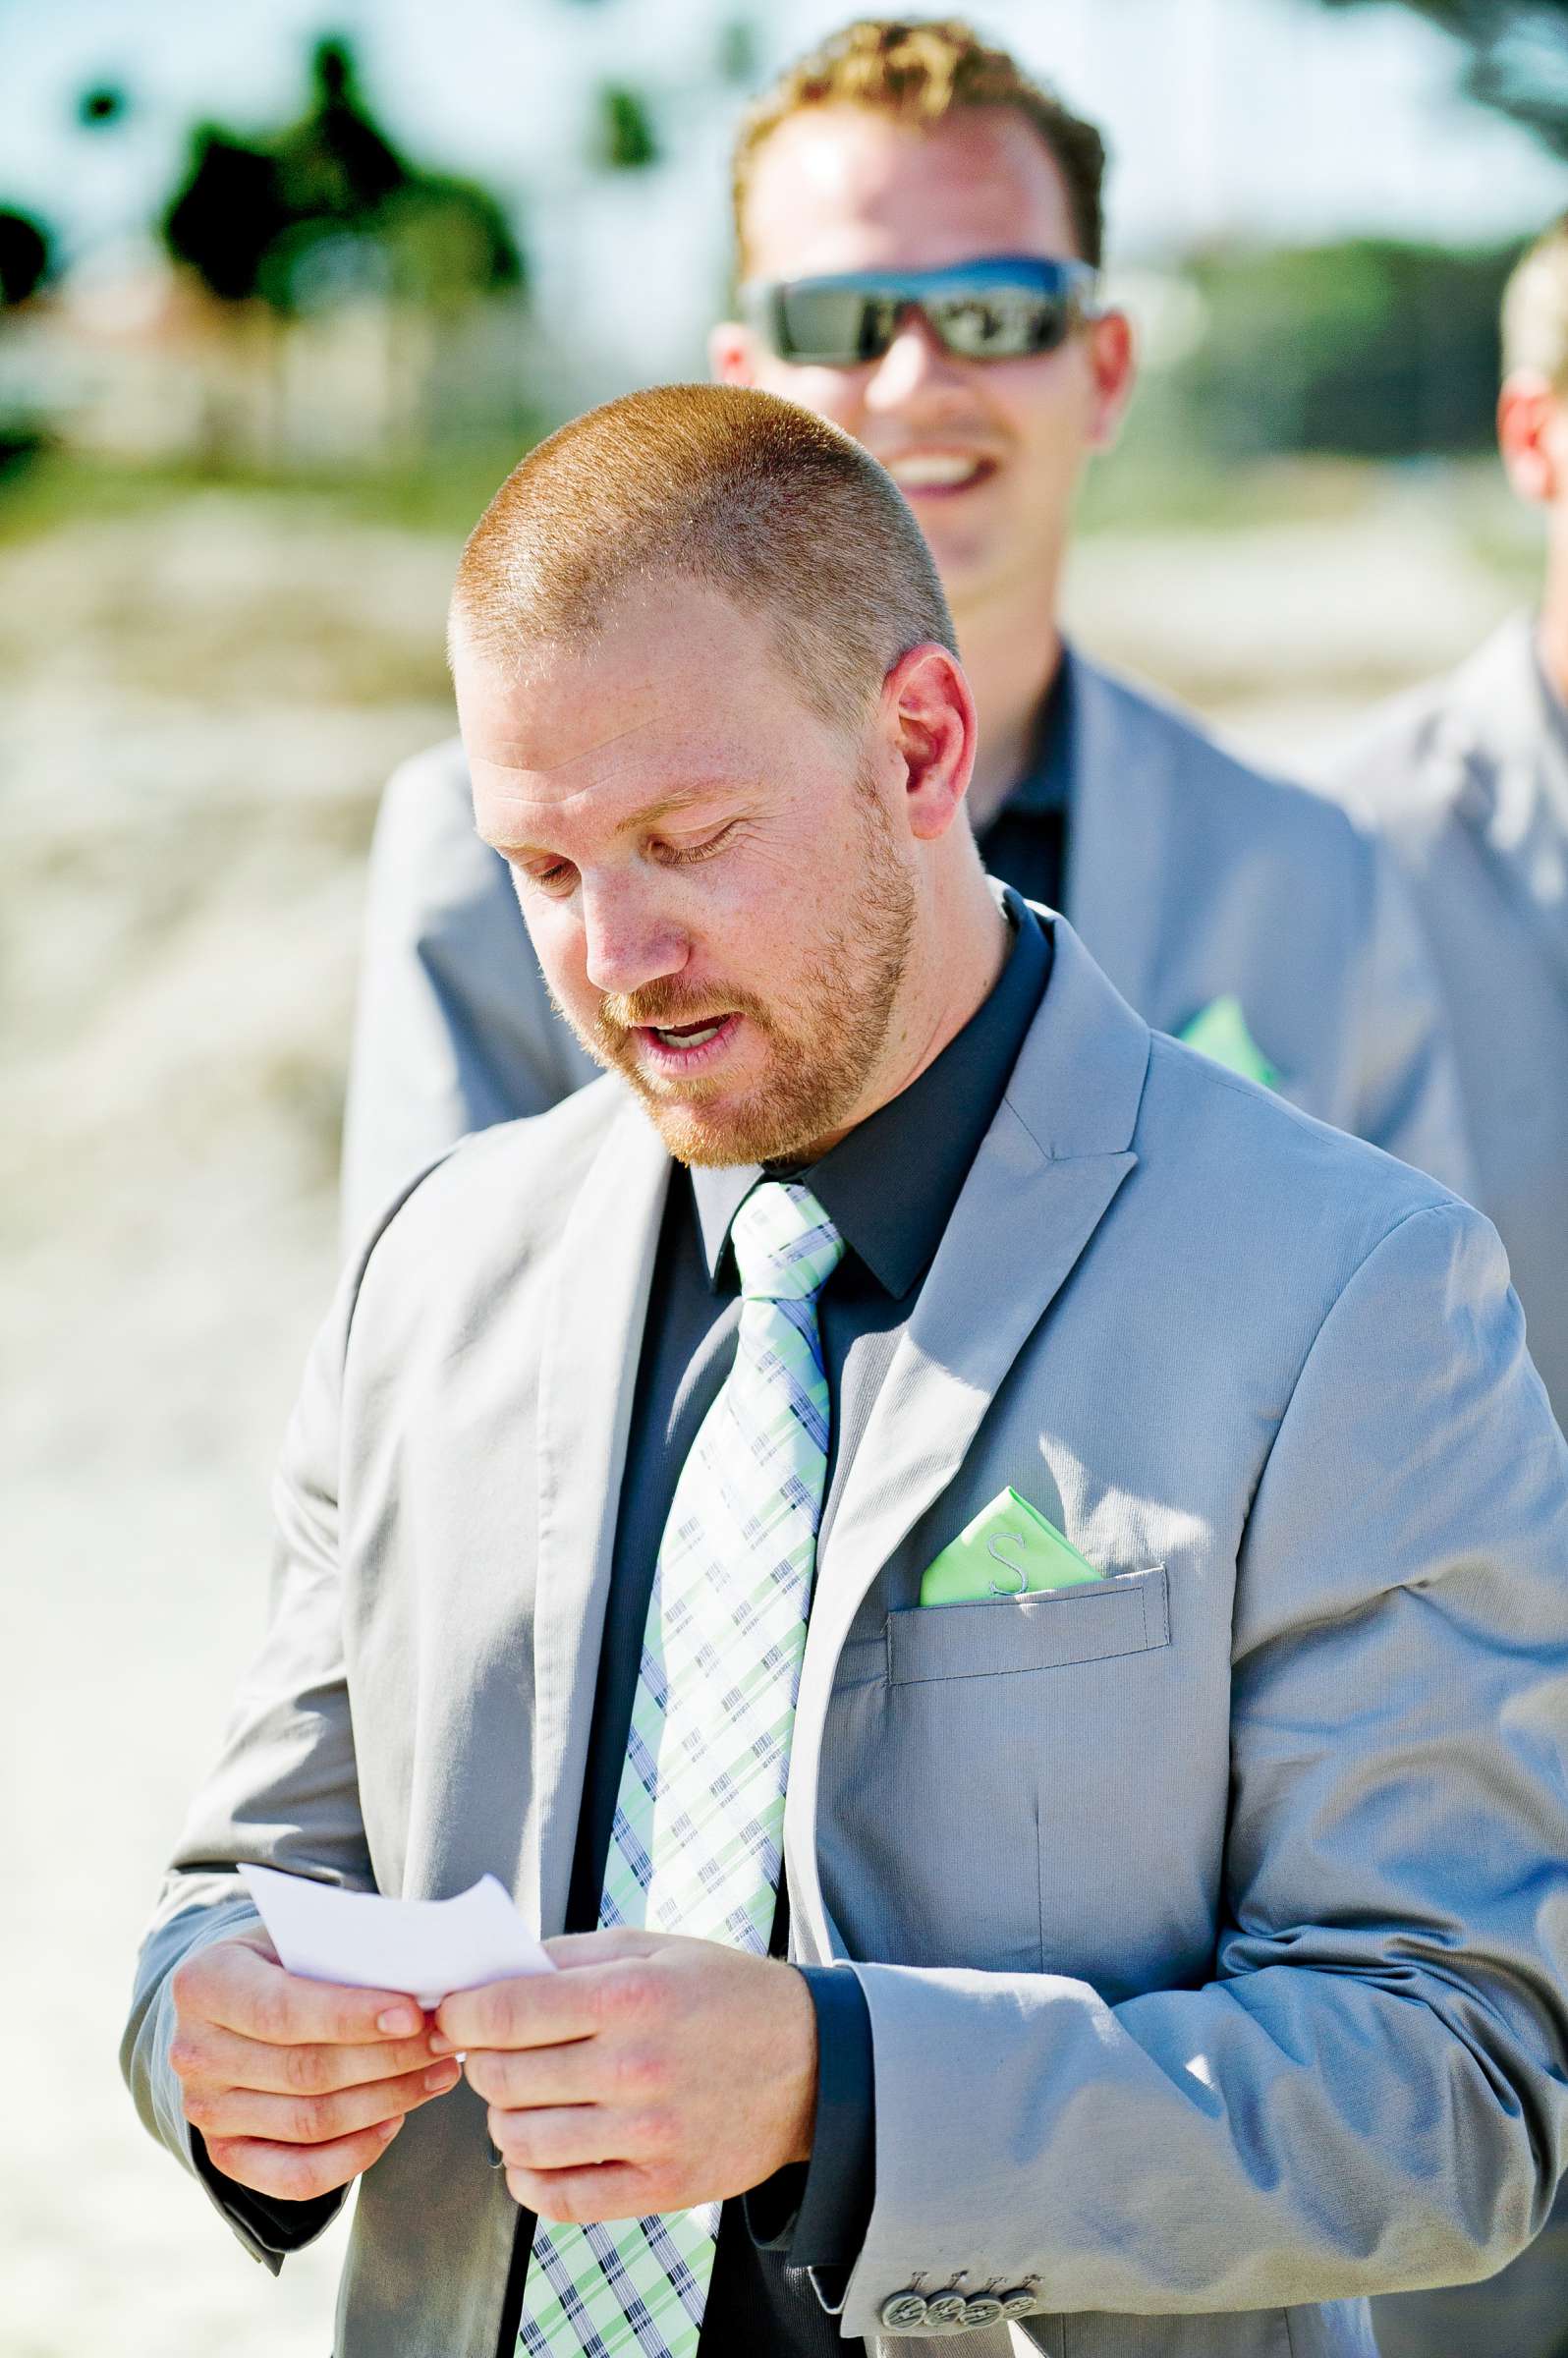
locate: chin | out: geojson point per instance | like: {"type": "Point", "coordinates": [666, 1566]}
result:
{"type": "Point", "coordinates": [702, 1142]}
{"type": "Point", "coordinates": [748, 1130]}
{"type": "Point", "coordinates": [969, 561]}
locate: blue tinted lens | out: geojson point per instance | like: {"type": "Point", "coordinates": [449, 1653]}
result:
{"type": "Point", "coordinates": [990, 309]}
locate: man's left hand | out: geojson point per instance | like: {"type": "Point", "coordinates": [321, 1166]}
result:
{"type": "Point", "coordinates": [651, 2074]}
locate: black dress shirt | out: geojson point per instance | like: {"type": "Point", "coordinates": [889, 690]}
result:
{"type": "Point", "coordinates": [889, 1188]}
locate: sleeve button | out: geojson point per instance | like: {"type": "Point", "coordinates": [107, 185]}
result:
{"type": "Point", "coordinates": [903, 2312]}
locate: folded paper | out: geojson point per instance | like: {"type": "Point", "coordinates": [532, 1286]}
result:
{"type": "Point", "coordinates": [427, 1947]}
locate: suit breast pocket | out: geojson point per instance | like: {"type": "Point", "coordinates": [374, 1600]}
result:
{"type": "Point", "coordinates": [1011, 1636]}
{"type": "Point", "coordinates": [977, 1781]}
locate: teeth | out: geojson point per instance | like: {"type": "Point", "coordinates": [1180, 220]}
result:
{"type": "Point", "coordinates": [691, 1040]}
{"type": "Point", "coordinates": [933, 470]}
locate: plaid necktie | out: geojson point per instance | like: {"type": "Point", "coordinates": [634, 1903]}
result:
{"type": "Point", "coordinates": [696, 1844]}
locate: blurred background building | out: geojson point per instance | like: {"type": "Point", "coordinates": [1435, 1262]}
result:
{"type": "Point", "coordinates": [284, 291]}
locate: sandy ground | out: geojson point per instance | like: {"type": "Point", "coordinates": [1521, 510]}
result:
{"type": "Point", "coordinates": [195, 713]}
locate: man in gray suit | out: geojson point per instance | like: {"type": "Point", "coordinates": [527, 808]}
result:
{"type": "Point", "coordinates": [920, 227]}
{"type": "Point", "coordinates": [912, 1474]}
{"type": "Point", "coordinates": [1468, 780]}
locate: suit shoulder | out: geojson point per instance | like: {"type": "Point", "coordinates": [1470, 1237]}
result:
{"type": "Point", "coordinates": [1406, 767]}
{"type": "Point", "coordinates": [1251, 1165]}
{"type": "Point", "coordinates": [1243, 797]}
{"type": "Point", "coordinates": [428, 801]}
{"type": "Point", "coordinates": [1414, 763]}
{"type": "Point", "coordinates": [513, 1182]}
{"type": "Point", "coordinates": [437, 778]}
{"type": "Point", "coordinates": [426, 851]}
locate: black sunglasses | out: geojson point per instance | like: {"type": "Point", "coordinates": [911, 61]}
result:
{"type": "Point", "coordinates": [1001, 307]}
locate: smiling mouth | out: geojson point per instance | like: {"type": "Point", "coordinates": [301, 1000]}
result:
{"type": "Point", "coordinates": [939, 471]}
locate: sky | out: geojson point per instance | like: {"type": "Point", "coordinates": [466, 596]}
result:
{"type": "Point", "coordinates": [1226, 119]}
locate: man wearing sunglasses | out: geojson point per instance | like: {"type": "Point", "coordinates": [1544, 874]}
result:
{"type": "Point", "coordinates": [918, 232]}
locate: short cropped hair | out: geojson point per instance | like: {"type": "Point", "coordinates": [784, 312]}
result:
{"type": "Point", "coordinates": [738, 490]}
{"type": "Point", "coordinates": [917, 73]}
{"type": "Point", "coordinates": [1535, 309]}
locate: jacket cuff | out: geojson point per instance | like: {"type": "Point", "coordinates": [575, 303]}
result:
{"type": "Point", "coordinates": [275, 2226]}
{"type": "Point", "coordinates": [816, 2214]}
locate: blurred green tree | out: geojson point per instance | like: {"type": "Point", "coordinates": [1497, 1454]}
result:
{"type": "Point", "coordinates": [738, 57]}
{"type": "Point", "coordinates": [625, 140]}
{"type": "Point", "coordinates": [226, 214]}
{"type": "Point", "coordinates": [1518, 59]}
{"type": "Point", "coordinates": [25, 253]}
{"type": "Point", "coordinates": [329, 207]}
{"type": "Point", "coordinates": [1369, 347]}
{"type": "Point", "coordinates": [102, 107]}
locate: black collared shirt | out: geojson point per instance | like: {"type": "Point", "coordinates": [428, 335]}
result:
{"type": "Point", "coordinates": [889, 1188]}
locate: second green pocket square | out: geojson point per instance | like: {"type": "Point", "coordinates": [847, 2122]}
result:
{"type": "Point", "coordinates": [1009, 1549]}
{"type": "Point", "coordinates": [1220, 1031]}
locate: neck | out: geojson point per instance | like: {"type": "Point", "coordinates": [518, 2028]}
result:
{"type": "Point", "coordinates": [1010, 651]}
{"type": "Point", "coordinates": [967, 948]}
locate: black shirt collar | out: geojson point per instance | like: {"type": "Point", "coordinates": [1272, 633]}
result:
{"type": "Point", "coordinates": [890, 1186]}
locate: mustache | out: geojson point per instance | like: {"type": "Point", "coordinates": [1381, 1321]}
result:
{"type": "Point", "coordinates": [662, 1004]}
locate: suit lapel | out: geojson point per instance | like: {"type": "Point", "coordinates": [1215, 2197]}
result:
{"type": "Point", "coordinates": [1046, 1172]}
{"type": "Point", "coordinates": [1119, 840]}
{"type": "Point", "coordinates": [593, 1330]}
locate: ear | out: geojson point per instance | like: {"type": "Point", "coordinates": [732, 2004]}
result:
{"type": "Point", "coordinates": [927, 722]}
{"type": "Point", "coordinates": [1113, 367]}
{"type": "Point", "coordinates": [1530, 436]}
{"type": "Point", "coordinates": [732, 353]}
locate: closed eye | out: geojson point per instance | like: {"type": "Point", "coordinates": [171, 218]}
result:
{"type": "Point", "coordinates": [683, 855]}
{"type": "Point", "coordinates": [557, 877]}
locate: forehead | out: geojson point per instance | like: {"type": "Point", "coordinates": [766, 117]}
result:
{"type": "Point", "coordinates": [842, 188]}
{"type": "Point", "coordinates": [675, 689]}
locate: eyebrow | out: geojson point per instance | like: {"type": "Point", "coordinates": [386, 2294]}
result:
{"type": "Point", "coordinates": [683, 799]}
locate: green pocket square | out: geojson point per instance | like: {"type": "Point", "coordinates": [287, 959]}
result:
{"type": "Point", "coordinates": [1009, 1549]}
{"type": "Point", "coordinates": [1220, 1031]}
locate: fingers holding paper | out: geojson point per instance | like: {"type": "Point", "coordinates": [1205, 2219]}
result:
{"type": "Point", "coordinates": [613, 2084]}
{"type": "Point", "coordinates": [296, 2085]}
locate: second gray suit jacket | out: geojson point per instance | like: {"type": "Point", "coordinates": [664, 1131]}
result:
{"type": "Point", "coordinates": [1190, 876]}
{"type": "Point", "coordinates": [1213, 1918]}
{"type": "Point", "coordinates": [1468, 779]}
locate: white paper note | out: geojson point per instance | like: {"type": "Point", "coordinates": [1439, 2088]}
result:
{"type": "Point", "coordinates": [427, 1947]}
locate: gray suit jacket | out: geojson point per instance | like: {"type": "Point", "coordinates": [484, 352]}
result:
{"type": "Point", "coordinates": [1469, 781]}
{"type": "Point", "coordinates": [1212, 1919]}
{"type": "Point", "coordinates": [1190, 876]}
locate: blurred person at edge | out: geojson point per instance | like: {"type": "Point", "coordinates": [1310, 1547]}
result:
{"type": "Point", "coordinates": [1468, 779]}
{"type": "Point", "coordinates": [1244, 914]}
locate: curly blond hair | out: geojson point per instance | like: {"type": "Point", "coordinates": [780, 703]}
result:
{"type": "Point", "coordinates": [920, 72]}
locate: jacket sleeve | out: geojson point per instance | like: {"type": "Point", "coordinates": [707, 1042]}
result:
{"type": "Point", "coordinates": [283, 1793]}
{"type": "Point", "coordinates": [454, 1029]}
{"type": "Point", "coordinates": [1406, 1078]}
{"type": "Point", "coordinates": [1372, 2090]}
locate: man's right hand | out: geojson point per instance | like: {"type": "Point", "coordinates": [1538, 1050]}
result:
{"type": "Point", "coordinates": [296, 2086]}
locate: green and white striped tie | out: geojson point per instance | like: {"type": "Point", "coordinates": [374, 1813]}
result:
{"type": "Point", "coordinates": [697, 1841]}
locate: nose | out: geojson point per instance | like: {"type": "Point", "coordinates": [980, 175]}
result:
{"type": "Point", "coordinates": [629, 942]}
{"type": "Point", "coordinates": [916, 361]}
